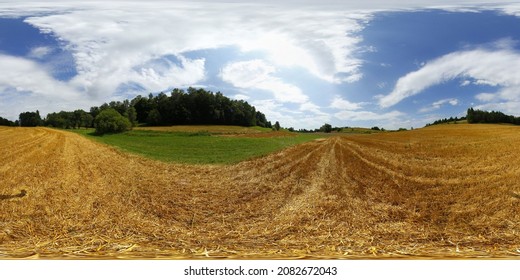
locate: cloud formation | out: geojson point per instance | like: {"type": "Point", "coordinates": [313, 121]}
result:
{"type": "Point", "coordinates": [24, 75]}
{"type": "Point", "coordinates": [156, 75]}
{"type": "Point", "coordinates": [483, 66]}
{"type": "Point", "coordinates": [113, 38]}
{"type": "Point", "coordinates": [39, 52]}
{"type": "Point", "coordinates": [26, 85]}
{"type": "Point", "coordinates": [340, 103]}
{"type": "Point", "coordinates": [437, 104]}
{"type": "Point", "coordinates": [147, 45]}
{"type": "Point", "coordinates": [256, 74]}
{"type": "Point", "coordinates": [114, 43]}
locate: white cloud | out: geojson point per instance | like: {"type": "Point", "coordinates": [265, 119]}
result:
{"type": "Point", "coordinates": [323, 42]}
{"type": "Point", "coordinates": [437, 104]}
{"type": "Point", "coordinates": [157, 76]}
{"type": "Point", "coordinates": [307, 116]}
{"type": "Point", "coordinates": [453, 102]}
{"type": "Point", "coordinates": [490, 67]}
{"type": "Point", "coordinates": [340, 103]}
{"type": "Point", "coordinates": [485, 82]}
{"type": "Point", "coordinates": [241, 97]}
{"type": "Point", "coordinates": [511, 9]}
{"type": "Point", "coordinates": [39, 52]}
{"type": "Point", "coordinates": [246, 74]}
{"type": "Point", "coordinates": [25, 84]}
{"type": "Point", "coordinates": [348, 115]}
{"type": "Point", "coordinates": [257, 74]}
{"type": "Point", "coordinates": [465, 83]}
{"type": "Point", "coordinates": [109, 40]}
{"type": "Point", "coordinates": [311, 107]}
{"type": "Point", "coordinates": [114, 43]}
{"type": "Point", "coordinates": [26, 76]}
{"type": "Point", "coordinates": [485, 96]}
{"type": "Point", "coordinates": [509, 107]}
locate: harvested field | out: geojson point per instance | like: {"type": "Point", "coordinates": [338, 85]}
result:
{"type": "Point", "coordinates": [439, 192]}
{"type": "Point", "coordinates": [270, 134]}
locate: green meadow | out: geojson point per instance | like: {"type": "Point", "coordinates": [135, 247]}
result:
{"type": "Point", "coordinates": [200, 147]}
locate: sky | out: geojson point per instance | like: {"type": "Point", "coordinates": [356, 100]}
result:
{"type": "Point", "coordinates": [368, 63]}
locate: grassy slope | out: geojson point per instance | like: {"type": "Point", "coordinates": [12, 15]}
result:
{"type": "Point", "coordinates": [198, 148]}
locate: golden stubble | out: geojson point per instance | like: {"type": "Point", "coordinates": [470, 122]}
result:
{"type": "Point", "coordinates": [448, 191]}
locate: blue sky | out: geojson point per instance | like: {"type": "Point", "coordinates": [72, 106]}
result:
{"type": "Point", "coordinates": [378, 63]}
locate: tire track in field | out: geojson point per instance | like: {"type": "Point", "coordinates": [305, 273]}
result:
{"type": "Point", "coordinates": [30, 153]}
{"type": "Point", "coordinates": [398, 167]}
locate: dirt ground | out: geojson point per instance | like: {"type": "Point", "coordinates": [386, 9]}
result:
{"type": "Point", "coordinates": [448, 191]}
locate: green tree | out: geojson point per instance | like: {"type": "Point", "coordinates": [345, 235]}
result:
{"type": "Point", "coordinates": [276, 126]}
{"type": "Point", "coordinates": [154, 117]}
{"type": "Point", "coordinates": [30, 119]}
{"type": "Point", "coordinates": [327, 128]}
{"type": "Point", "coordinates": [56, 120]}
{"type": "Point", "coordinates": [111, 121]}
{"type": "Point", "coordinates": [470, 116]}
{"type": "Point", "coordinates": [142, 107]}
{"type": "Point", "coordinates": [6, 122]}
{"type": "Point", "coordinates": [131, 114]}
{"type": "Point", "coordinates": [86, 120]}
{"type": "Point", "coordinates": [77, 118]}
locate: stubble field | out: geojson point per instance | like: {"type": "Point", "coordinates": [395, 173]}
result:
{"type": "Point", "coordinates": [440, 192]}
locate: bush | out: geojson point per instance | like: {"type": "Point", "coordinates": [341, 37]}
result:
{"type": "Point", "coordinates": [110, 121]}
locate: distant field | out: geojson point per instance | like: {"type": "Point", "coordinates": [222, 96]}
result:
{"type": "Point", "coordinates": [197, 144]}
{"type": "Point", "coordinates": [359, 130]}
{"type": "Point", "coordinates": [213, 129]}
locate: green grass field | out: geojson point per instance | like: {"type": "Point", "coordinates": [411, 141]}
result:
{"type": "Point", "coordinates": [197, 147]}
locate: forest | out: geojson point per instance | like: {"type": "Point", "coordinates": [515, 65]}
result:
{"type": "Point", "coordinates": [180, 107]}
{"type": "Point", "coordinates": [479, 116]}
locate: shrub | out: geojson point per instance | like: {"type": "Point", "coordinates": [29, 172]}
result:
{"type": "Point", "coordinates": [110, 121]}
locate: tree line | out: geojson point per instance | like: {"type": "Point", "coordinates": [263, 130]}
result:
{"type": "Point", "coordinates": [479, 116]}
{"type": "Point", "coordinates": [6, 122]}
{"type": "Point", "coordinates": [196, 106]}
{"type": "Point", "coordinates": [447, 120]}
{"type": "Point", "coordinates": [191, 107]}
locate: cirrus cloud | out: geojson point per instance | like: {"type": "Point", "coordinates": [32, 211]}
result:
{"type": "Point", "coordinates": [437, 104]}
{"type": "Point", "coordinates": [490, 67]}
